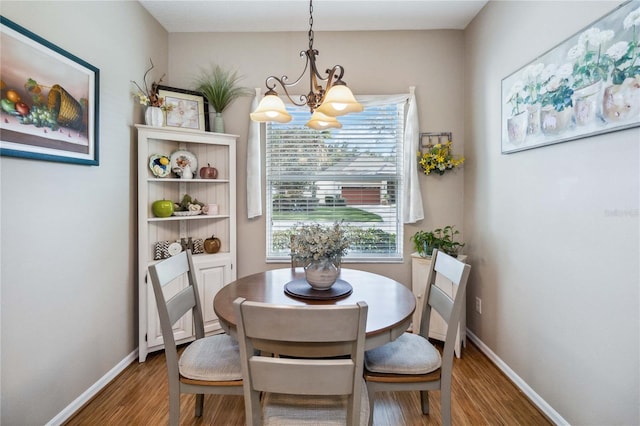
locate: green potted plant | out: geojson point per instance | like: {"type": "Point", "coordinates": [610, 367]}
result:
{"type": "Point", "coordinates": [220, 88]}
{"type": "Point", "coordinates": [443, 239]}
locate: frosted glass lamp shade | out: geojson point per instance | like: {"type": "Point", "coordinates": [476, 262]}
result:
{"type": "Point", "coordinates": [320, 121]}
{"type": "Point", "coordinates": [339, 101]}
{"type": "Point", "coordinates": [271, 108]}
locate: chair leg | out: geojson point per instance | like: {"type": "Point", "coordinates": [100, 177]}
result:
{"type": "Point", "coordinates": [445, 407]}
{"type": "Point", "coordinates": [199, 404]}
{"type": "Point", "coordinates": [174, 407]}
{"type": "Point", "coordinates": [371, 393]}
{"type": "Point", "coordinates": [424, 400]}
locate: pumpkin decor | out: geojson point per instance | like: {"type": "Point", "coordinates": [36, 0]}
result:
{"type": "Point", "coordinates": [212, 245]}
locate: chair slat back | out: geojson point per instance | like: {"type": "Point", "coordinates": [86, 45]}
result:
{"type": "Point", "coordinates": [449, 267]}
{"type": "Point", "coordinates": [441, 302]}
{"type": "Point", "coordinates": [449, 309]}
{"type": "Point", "coordinates": [295, 324]}
{"type": "Point", "coordinates": [187, 299]}
{"type": "Point", "coordinates": [306, 339]}
{"type": "Point", "coordinates": [171, 268]}
{"type": "Point", "coordinates": [180, 304]}
{"type": "Point", "coordinates": [312, 377]}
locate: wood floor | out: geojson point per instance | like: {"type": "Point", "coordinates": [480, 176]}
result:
{"type": "Point", "coordinates": [481, 395]}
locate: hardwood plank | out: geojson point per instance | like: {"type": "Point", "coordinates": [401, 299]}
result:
{"type": "Point", "coordinates": [481, 395]}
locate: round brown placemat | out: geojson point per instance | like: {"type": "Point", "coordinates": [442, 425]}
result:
{"type": "Point", "coordinates": [301, 288]}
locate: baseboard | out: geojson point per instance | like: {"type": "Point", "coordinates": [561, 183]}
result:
{"type": "Point", "coordinates": [86, 396]}
{"type": "Point", "coordinates": [535, 399]}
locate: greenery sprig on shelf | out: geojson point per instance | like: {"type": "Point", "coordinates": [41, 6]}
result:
{"type": "Point", "coordinates": [220, 87]}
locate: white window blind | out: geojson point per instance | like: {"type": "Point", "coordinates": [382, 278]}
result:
{"type": "Point", "coordinates": [350, 175]}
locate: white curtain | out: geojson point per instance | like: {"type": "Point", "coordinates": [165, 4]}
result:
{"type": "Point", "coordinates": [412, 204]}
{"type": "Point", "coordinates": [254, 161]}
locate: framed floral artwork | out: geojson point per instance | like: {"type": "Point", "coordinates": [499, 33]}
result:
{"type": "Point", "coordinates": [189, 109]}
{"type": "Point", "coordinates": [49, 100]}
{"type": "Point", "coordinates": [587, 85]}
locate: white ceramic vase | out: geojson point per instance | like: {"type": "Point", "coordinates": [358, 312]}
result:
{"type": "Point", "coordinates": [154, 116]}
{"type": "Point", "coordinates": [321, 274]}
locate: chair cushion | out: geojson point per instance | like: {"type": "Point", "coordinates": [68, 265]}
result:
{"type": "Point", "coordinates": [408, 354]}
{"type": "Point", "coordinates": [300, 410]}
{"type": "Point", "coordinates": [213, 358]}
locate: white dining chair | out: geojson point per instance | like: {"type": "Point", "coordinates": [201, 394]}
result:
{"type": "Point", "coordinates": [295, 263]}
{"type": "Point", "coordinates": [209, 365]}
{"type": "Point", "coordinates": [411, 362]}
{"type": "Point", "coordinates": [316, 379]}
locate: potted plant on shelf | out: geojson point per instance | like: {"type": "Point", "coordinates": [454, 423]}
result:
{"type": "Point", "coordinates": [441, 238]}
{"type": "Point", "coordinates": [220, 88]}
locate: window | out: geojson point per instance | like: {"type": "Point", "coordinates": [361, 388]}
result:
{"type": "Point", "coordinates": [350, 175]}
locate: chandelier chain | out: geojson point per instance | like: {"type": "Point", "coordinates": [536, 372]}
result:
{"type": "Point", "coordinates": [311, 24]}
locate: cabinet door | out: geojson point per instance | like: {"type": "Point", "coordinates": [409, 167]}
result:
{"type": "Point", "coordinates": [182, 329]}
{"type": "Point", "coordinates": [211, 278]}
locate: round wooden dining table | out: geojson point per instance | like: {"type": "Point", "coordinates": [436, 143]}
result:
{"type": "Point", "coordinates": [391, 304]}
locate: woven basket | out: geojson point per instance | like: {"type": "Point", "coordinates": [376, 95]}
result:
{"type": "Point", "coordinates": [67, 111]}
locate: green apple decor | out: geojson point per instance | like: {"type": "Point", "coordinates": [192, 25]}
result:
{"type": "Point", "coordinates": [162, 208]}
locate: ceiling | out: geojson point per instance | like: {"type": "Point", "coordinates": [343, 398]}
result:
{"type": "Point", "coordinates": [328, 15]}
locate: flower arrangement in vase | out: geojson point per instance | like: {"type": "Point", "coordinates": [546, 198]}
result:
{"type": "Point", "coordinates": [156, 106]}
{"type": "Point", "coordinates": [320, 248]}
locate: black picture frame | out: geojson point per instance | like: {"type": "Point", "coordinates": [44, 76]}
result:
{"type": "Point", "coordinates": [190, 108]}
{"type": "Point", "coordinates": [39, 76]}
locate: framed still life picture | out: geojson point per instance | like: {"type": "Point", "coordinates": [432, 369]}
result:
{"type": "Point", "coordinates": [587, 85]}
{"type": "Point", "coordinates": [189, 110]}
{"type": "Point", "coordinates": [49, 100]}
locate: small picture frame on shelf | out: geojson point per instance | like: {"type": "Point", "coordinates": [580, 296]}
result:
{"type": "Point", "coordinates": [189, 109]}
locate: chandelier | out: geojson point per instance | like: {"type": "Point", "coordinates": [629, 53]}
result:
{"type": "Point", "coordinates": [325, 103]}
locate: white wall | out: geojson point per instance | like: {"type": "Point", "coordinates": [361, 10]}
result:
{"type": "Point", "coordinates": [552, 232]}
{"type": "Point", "coordinates": [69, 309]}
{"type": "Point", "coordinates": [375, 63]}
